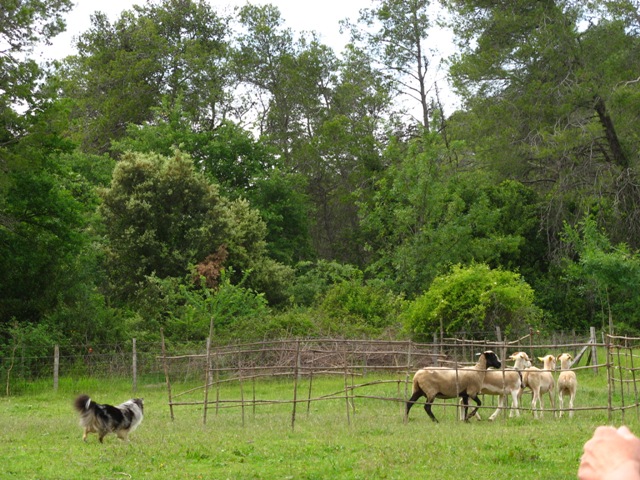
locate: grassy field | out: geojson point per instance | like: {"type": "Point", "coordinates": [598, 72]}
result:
{"type": "Point", "coordinates": [40, 437]}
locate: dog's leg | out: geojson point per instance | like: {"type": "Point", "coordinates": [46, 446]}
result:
{"type": "Point", "coordinates": [123, 435]}
{"type": "Point", "coordinates": [84, 434]}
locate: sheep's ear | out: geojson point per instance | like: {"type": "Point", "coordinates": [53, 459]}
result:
{"type": "Point", "coordinates": [541, 359]}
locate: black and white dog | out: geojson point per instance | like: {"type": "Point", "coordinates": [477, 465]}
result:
{"type": "Point", "coordinates": [103, 419]}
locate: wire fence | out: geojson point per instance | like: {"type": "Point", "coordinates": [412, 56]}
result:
{"type": "Point", "coordinates": [303, 360]}
{"type": "Point", "coordinates": [297, 362]}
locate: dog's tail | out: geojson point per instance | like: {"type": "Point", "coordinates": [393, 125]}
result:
{"type": "Point", "coordinates": [82, 403]}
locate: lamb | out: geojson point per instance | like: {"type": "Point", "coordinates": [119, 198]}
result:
{"type": "Point", "coordinates": [540, 381]}
{"type": "Point", "coordinates": [567, 382]}
{"type": "Point", "coordinates": [506, 382]}
{"type": "Point", "coordinates": [441, 382]}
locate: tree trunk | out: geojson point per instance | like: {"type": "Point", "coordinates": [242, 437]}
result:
{"type": "Point", "coordinates": [610, 133]}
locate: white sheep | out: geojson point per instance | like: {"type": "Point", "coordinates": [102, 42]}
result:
{"type": "Point", "coordinates": [441, 382]}
{"type": "Point", "coordinates": [506, 382]}
{"type": "Point", "coordinates": [567, 382]}
{"type": "Point", "coordinates": [540, 382]}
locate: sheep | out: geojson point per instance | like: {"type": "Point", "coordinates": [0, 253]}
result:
{"type": "Point", "coordinates": [567, 382]}
{"type": "Point", "coordinates": [540, 381]}
{"type": "Point", "coordinates": [506, 382]}
{"type": "Point", "coordinates": [441, 382]}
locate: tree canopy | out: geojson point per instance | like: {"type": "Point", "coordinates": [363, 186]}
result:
{"type": "Point", "coordinates": [187, 161]}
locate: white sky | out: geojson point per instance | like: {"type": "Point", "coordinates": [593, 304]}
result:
{"type": "Point", "coordinates": [322, 16]}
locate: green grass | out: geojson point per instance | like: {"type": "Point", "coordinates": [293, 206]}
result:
{"type": "Point", "coordinates": [40, 437]}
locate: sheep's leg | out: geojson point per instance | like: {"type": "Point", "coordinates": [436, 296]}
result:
{"type": "Point", "coordinates": [534, 401]}
{"type": "Point", "coordinates": [416, 395]}
{"type": "Point", "coordinates": [561, 403]}
{"type": "Point", "coordinates": [460, 409]}
{"type": "Point", "coordinates": [571, 397]}
{"type": "Point", "coordinates": [514, 404]}
{"type": "Point", "coordinates": [462, 413]}
{"type": "Point", "coordinates": [552, 400]}
{"type": "Point", "coordinates": [501, 404]}
{"type": "Point", "coordinates": [478, 404]}
{"type": "Point", "coordinates": [465, 406]}
{"type": "Point", "coordinates": [427, 408]}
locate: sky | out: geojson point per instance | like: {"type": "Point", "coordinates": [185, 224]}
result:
{"type": "Point", "coordinates": [299, 15]}
{"type": "Point", "coordinates": [321, 16]}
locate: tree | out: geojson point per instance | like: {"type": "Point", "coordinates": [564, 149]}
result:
{"type": "Point", "coordinates": [265, 62]}
{"type": "Point", "coordinates": [23, 25]}
{"type": "Point", "coordinates": [395, 33]}
{"type": "Point", "coordinates": [543, 84]}
{"type": "Point", "coordinates": [44, 203]}
{"type": "Point", "coordinates": [173, 51]}
{"type": "Point", "coordinates": [427, 214]}
{"type": "Point", "coordinates": [473, 299]}
{"type": "Point", "coordinates": [162, 217]}
{"type": "Point", "coordinates": [229, 157]}
{"type": "Point", "coordinates": [322, 115]}
{"type": "Point", "coordinates": [608, 277]}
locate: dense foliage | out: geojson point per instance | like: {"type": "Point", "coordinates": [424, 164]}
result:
{"type": "Point", "coordinates": [188, 164]}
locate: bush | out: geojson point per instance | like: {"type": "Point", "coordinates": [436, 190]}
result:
{"type": "Point", "coordinates": [350, 308]}
{"type": "Point", "coordinates": [473, 299]}
{"type": "Point", "coordinates": [313, 280]}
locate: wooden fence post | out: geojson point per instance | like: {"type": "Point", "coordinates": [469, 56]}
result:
{"type": "Point", "coordinates": [594, 349]}
{"type": "Point", "coordinates": [207, 375]}
{"type": "Point", "coordinates": [56, 366]}
{"type": "Point", "coordinates": [610, 377]}
{"type": "Point", "coordinates": [166, 372]}
{"type": "Point", "coordinates": [207, 381]}
{"type": "Point", "coordinates": [134, 365]}
{"type": "Point", "coordinates": [296, 376]}
{"type": "Point", "coordinates": [407, 379]}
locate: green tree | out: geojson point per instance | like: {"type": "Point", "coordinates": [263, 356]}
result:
{"type": "Point", "coordinates": [161, 217]}
{"type": "Point", "coordinates": [227, 155]}
{"type": "Point", "coordinates": [24, 24]}
{"type": "Point", "coordinates": [550, 88]}
{"type": "Point", "coordinates": [427, 214]}
{"type": "Point", "coordinates": [354, 308]}
{"type": "Point", "coordinates": [475, 300]}
{"type": "Point", "coordinates": [45, 202]}
{"type": "Point", "coordinates": [322, 115]}
{"type": "Point", "coordinates": [394, 33]}
{"type": "Point", "coordinates": [173, 51]}
{"type": "Point", "coordinates": [185, 310]}
{"type": "Point", "coordinates": [607, 275]}
{"type": "Point", "coordinates": [243, 167]}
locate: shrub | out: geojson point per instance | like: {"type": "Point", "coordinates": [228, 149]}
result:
{"type": "Point", "coordinates": [352, 308]}
{"type": "Point", "coordinates": [473, 299]}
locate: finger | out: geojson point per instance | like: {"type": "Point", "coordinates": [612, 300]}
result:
{"type": "Point", "coordinates": [625, 432]}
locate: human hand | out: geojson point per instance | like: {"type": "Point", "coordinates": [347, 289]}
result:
{"type": "Point", "coordinates": [611, 455]}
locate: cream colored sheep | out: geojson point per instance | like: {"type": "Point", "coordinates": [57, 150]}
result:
{"type": "Point", "coordinates": [506, 382]}
{"type": "Point", "coordinates": [540, 382]}
{"type": "Point", "coordinates": [440, 382]}
{"type": "Point", "coordinates": [567, 382]}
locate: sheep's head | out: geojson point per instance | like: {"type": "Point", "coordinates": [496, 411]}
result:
{"type": "Point", "coordinates": [565, 360]}
{"type": "Point", "coordinates": [549, 362]}
{"type": "Point", "coordinates": [521, 360]}
{"type": "Point", "coordinates": [491, 359]}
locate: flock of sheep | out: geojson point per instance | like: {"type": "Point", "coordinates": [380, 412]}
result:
{"type": "Point", "coordinates": [487, 377]}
